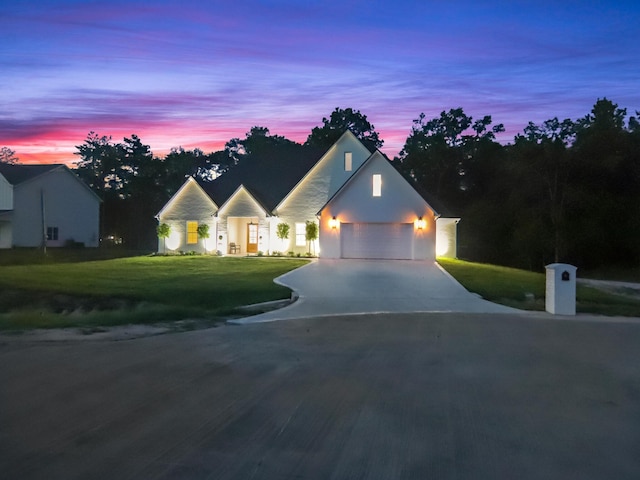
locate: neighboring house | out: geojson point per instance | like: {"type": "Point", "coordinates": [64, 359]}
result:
{"type": "Point", "coordinates": [46, 202]}
{"type": "Point", "coordinates": [363, 206]}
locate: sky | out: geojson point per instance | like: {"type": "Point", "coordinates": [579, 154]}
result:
{"type": "Point", "coordinates": [196, 74]}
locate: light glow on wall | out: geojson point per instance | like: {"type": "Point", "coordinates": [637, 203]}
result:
{"type": "Point", "coordinates": [173, 241]}
{"type": "Point", "coordinates": [210, 244]}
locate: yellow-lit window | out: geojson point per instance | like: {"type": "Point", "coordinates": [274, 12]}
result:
{"type": "Point", "coordinates": [377, 185]}
{"type": "Point", "coordinates": [192, 232]}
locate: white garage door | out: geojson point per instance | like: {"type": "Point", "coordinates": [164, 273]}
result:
{"type": "Point", "coordinates": [377, 240]}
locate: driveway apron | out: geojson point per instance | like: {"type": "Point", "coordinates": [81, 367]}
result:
{"type": "Point", "coordinates": [333, 287]}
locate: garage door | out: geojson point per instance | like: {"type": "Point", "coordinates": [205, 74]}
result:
{"type": "Point", "coordinates": [377, 240]}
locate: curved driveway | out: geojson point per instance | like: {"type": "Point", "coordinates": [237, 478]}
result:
{"type": "Point", "coordinates": [334, 287]}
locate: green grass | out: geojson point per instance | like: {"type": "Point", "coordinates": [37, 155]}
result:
{"type": "Point", "coordinates": [31, 256]}
{"type": "Point", "coordinates": [136, 289]}
{"type": "Point", "coordinates": [509, 286]}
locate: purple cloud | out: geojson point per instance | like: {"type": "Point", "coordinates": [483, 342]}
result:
{"type": "Point", "coordinates": [194, 74]}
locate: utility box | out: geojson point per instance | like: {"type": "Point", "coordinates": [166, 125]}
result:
{"type": "Point", "coordinates": [561, 289]}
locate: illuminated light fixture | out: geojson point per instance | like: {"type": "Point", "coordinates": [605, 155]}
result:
{"type": "Point", "coordinates": [333, 223]}
{"type": "Point", "coordinates": [421, 223]}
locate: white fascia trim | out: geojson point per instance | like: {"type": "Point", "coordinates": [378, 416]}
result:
{"type": "Point", "coordinates": [187, 182]}
{"type": "Point", "coordinates": [312, 169]}
{"type": "Point", "coordinates": [242, 187]}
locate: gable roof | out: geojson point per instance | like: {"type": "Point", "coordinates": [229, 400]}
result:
{"type": "Point", "coordinates": [379, 154]}
{"type": "Point", "coordinates": [175, 196]}
{"type": "Point", "coordinates": [16, 174]}
{"type": "Point", "coordinates": [268, 178]}
{"type": "Point", "coordinates": [325, 153]}
{"type": "Point", "coordinates": [242, 188]}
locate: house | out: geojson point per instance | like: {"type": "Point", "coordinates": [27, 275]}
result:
{"type": "Point", "coordinates": [46, 202]}
{"type": "Point", "coordinates": [363, 206]}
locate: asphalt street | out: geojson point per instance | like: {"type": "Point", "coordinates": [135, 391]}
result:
{"type": "Point", "coordinates": [390, 396]}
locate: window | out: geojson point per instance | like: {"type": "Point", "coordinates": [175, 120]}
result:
{"type": "Point", "coordinates": [348, 161]}
{"type": "Point", "coordinates": [192, 232]}
{"type": "Point", "coordinates": [377, 185]}
{"type": "Point", "coordinates": [301, 234]}
{"type": "Point", "coordinates": [52, 233]}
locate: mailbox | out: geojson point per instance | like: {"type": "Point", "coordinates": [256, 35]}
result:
{"type": "Point", "coordinates": [561, 289]}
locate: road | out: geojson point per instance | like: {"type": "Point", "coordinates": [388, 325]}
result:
{"type": "Point", "coordinates": [415, 396]}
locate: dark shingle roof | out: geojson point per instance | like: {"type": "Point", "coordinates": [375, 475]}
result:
{"type": "Point", "coordinates": [268, 178]}
{"type": "Point", "coordinates": [16, 174]}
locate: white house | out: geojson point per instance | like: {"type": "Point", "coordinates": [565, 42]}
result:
{"type": "Point", "coordinates": [363, 206]}
{"type": "Point", "coordinates": [46, 202]}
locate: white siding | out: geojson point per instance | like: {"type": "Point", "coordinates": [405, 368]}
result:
{"type": "Point", "coordinates": [319, 185]}
{"type": "Point", "coordinates": [447, 237]}
{"type": "Point", "coordinates": [399, 203]}
{"type": "Point", "coordinates": [6, 194]}
{"type": "Point", "coordinates": [241, 209]}
{"type": "Point", "coordinates": [69, 206]}
{"type": "Point", "coordinates": [6, 236]}
{"type": "Point", "coordinates": [190, 203]}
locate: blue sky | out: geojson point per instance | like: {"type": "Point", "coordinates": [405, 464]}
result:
{"type": "Point", "coordinates": [195, 74]}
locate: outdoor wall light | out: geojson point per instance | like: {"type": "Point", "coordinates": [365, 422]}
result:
{"type": "Point", "coordinates": [333, 223]}
{"type": "Point", "coordinates": [421, 223]}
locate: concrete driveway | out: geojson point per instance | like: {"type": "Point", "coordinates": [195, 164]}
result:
{"type": "Point", "coordinates": [334, 287]}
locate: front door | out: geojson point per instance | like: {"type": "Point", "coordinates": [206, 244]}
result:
{"type": "Point", "coordinates": [252, 237]}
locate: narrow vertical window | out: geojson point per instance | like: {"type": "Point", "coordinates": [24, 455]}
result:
{"type": "Point", "coordinates": [192, 232]}
{"type": "Point", "coordinates": [52, 233]}
{"type": "Point", "coordinates": [301, 235]}
{"type": "Point", "coordinates": [377, 185]}
{"type": "Point", "coordinates": [348, 161]}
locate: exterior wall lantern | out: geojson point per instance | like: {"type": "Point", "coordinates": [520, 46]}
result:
{"type": "Point", "coordinates": [333, 223]}
{"type": "Point", "coordinates": [421, 223]}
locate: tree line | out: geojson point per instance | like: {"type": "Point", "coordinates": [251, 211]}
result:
{"type": "Point", "coordinates": [563, 190]}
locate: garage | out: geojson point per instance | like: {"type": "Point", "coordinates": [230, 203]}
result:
{"type": "Point", "coordinates": [377, 240]}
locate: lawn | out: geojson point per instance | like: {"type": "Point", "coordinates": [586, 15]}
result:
{"type": "Point", "coordinates": [141, 289]}
{"type": "Point", "coordinates": [510, 286]}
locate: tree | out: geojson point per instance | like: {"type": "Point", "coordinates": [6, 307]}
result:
{"type": "Point", "coordinates": [163, 231]}
{"type": "Point", "coordinates": [256, 144]}
{"type": "Point", "coordinates": [203, 232]}
{"type": "Point", "coordinates": [100, 165]}
{"type": "Point", "coordinates": [8, 156]}
{"type": "Point", "coordinates": [545, 166]}
{"type": "Point", "coordinates": [311, 234]}
{"type": "Point", "coordinates": [442, 154]}
{"type": "Point", "coordinates": [282, 231]}
{"type": "Point", "coordinates": [339, 121]}
{"type": "Point", "coordinates": [607, 186]}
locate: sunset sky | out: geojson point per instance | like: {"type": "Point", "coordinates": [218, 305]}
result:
{"type": "Point", "coordinates": [195, 74]}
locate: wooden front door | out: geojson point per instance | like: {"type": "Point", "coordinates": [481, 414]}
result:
{"type": "Point", "coordinates": [252, 238]}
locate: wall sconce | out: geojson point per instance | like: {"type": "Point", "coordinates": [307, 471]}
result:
{"type": "Point", "coordinates": [333, 223]}
{"type": "Point", "coordinates": [421, 223]}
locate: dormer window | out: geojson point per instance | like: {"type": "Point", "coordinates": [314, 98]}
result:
{"type": "Point", "coordinates": [348, 161]}
{"type": "Point", "coordinates": [377, 185]}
